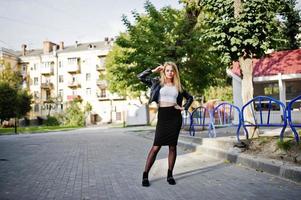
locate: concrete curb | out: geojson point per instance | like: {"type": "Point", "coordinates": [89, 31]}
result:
{"type": "Point", "coordinates": [271, 166]}
{"type": "Point", "coordinates": [209, 147]}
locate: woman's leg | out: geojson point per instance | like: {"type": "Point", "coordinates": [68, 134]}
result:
{"type": "Point", "coordinates": [149, 163]}
{"type": "Point", "coordinates": [151, 158]}
{"type": "Point", "coordinates": [172, 155]}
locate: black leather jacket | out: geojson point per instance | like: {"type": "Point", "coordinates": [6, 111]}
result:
{"type": "Point", "coordinates": [154, 84]}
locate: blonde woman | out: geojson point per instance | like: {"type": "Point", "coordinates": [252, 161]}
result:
{"type": "Point", "coordinates": [168, 93]}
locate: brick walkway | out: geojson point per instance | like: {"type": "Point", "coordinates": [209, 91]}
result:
{"type": "Point", "coordinates": [99, 163]}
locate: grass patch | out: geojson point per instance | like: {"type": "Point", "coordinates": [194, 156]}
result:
{"type": "Point", "coordinates": [35, 129]}
{"type": "Point", "coordinates": [264, 140]}
{"type": "Point", "coordinates": [286, 144]}
{"type": "Point", "coordinates": [117, 125]}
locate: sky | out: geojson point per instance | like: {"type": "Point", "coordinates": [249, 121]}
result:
{"type": "Point", "coordinates": [31, 22]}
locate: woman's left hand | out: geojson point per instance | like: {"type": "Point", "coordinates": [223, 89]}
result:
{"type": "Point", "coordinates": [179, 107]}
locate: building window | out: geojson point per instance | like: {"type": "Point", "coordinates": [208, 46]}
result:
{"type": "Point", "coordinates": [271, 89]}
{"type": "Point", "coordinates": [36, 81]}
{"type": "Point", "coordinates": [35, 67]}
{"type": "Point", "coordinates": [60, 64]}
{"type": "Point", "coordinates": [293, 90]}
{"type": "Point", "coordinates": [61, 79]}
{"type": "Point", "coordinates": [48, 80]}
{"type": "Point", "coordinates": [88, 76]}
{"type": "Point", "coordinates": [36, 94]}
{"type": "Point", "coordinates": [103, 93]}
{"type": "Point", "coordinates": [48, 64]}
{"type": "Point", "coordinates": [267, 89]}
{"type": "Point", "coordinates": [88, 91]}
{"type": "Point", "coordinates": [47, 95]}
{"type": "Point", "coordinates": [72, 61]}
{"type": "Point", "coordinates": [36, 107]}
{"type": "Point", "coordinates": [118, 116]}
{"type": "Point", "coordinates": [102, 61]}
{"type": "Point", "coordinates": [61, 92]}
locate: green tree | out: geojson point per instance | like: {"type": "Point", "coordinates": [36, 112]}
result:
{"type": "Point", "coordinates": [10, 76]}
{"type": "Point", "coordinates": [242, 30]}
{"type": "Point", "coordinates": [158, 36]}
{"type": "Point", "coordinates": [23, 103]}
{"type": "Point", "coordinates": [16, 101]}
{"type": "Point", "coordinates": [8, 101]}
{"type": "Point", "coordinates": [22, 107]}
{"type": "Point", "coordinates": [13, 103]}
{"type": "Point", "coordinates": [118, 72]}
{"type": "Point", "coordinates": [291, 23]}
{"type": "Point", "coordinates": [74, 115]}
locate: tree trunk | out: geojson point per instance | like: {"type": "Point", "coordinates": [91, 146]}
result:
{"type": "Point", "coordinates": [247, 92]}
{"type": "Point", "coordinates": [16, 132]}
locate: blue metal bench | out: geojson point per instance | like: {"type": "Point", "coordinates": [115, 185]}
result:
{"type": "Point", "coordinates": [263, 121]}
{"type": "Point", "coordinates": [223, 116]}
{"type": "Point", "coordinates": [291, 122]}
{"type": "Point", "coordinates": [198, 118]}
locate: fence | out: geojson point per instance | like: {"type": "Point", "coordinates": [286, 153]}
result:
{"type": "Point", "coordinates": [260, 108]}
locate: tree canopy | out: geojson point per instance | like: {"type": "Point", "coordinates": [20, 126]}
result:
{"type": "Point", "coordinates": [158, 36]}
{"type": "Point", "coordinates": [9, 75]}
{"type": "Point", "coordinates": [8, 101]}
{"type": "Point", "coordinates": [14, 101]}
{"type": "Point", "coordinates": [255, 30]}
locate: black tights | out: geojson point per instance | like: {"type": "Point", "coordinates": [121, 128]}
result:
{"type": "Point", "coordinates": [172, 155]}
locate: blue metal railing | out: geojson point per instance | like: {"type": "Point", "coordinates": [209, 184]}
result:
{"type": "Point", "coordinates": [225, 117]}
{"type": "Point", "coordinates": [200, 117]}
{"type": "Point", "coordinates": [291, 122]}
{"type": "Point", "coordinates": [260, 108]}
{"type": "Point", "coordinates": [261, 122]}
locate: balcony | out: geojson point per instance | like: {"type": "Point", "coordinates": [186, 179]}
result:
{"type": "Point", "coordinates": [74, 97]}
{"type": "Point", "coordinates": [100, 67]}
{"type": "Point", "coordinates": [74, 84]}
{"type": "Point", "coordinates": [101, 97]}
{"type": "Point", "coordinates": [74, 68]}
{"type": "Point", "coordinates": [47, 70]}
{"type": "Point", "coordinates": [102, 84]}
{"type": "Point", "coordinates": [47, 86]}
{"type": "Point", "coordinates": [48, 100]}
{"type": "Point", "coordinates": [35, 99]}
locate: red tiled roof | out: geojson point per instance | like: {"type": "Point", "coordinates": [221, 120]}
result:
{"type": "Point", "coordinates": [284, 62]}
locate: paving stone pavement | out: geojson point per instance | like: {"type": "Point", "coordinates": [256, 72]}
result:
{"type": "Point", "coordinates": [103, 163]}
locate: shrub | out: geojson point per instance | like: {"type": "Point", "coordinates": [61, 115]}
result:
{"type": "Point", "coordinates": [285, 144]}
{"type": "Point", "coordinates": [223, 93]}
{"type": "Point", "coordinates": [74, 115]}
{"type": "Point", "coordinates": [51, 121]}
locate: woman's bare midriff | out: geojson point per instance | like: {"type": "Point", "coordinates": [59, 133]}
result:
{"type": "Point", "coordinates": [166, 104]}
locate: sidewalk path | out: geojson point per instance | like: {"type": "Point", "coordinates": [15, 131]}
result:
{"type": "Point", "coordinates": [104, 163]}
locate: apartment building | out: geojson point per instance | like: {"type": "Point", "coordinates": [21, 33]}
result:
{"type": "Point", "coordinates": [9, 56]}
{"type": "Point", "coordinates": [57, 74]}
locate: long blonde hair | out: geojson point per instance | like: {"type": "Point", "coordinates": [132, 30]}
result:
{"type": "Point", "coordinates": [176, 79]}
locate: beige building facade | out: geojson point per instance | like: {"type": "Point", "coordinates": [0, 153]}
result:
{"type": "Point", "coordinates": [57, 74]}
{"type": "Point", "coordinates": [10, 57]}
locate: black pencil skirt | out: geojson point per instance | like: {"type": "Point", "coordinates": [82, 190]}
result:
{"type": "Point", "coordinates": [168, 126]}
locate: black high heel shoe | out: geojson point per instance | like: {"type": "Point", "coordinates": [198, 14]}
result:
{"type": "Point", "coordinates": [171, 181]}
{"type": "Point", "coordinates": [170, 178]}
{"type": "Point", "coordinates": [145, 181]}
